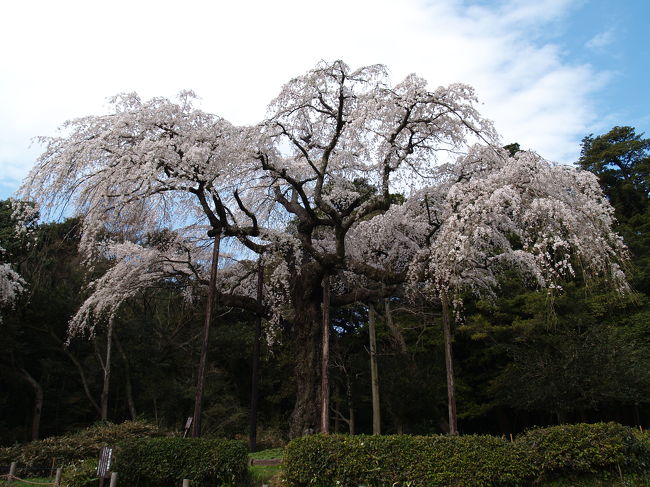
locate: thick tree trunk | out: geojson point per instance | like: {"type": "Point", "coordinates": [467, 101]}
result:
{"type": "Point", "coordinates": [325, 357]}
{"type": "Point", "coordinates": [107, 372]}
{"type": "Point", "coordinates": [210, 308]}
{"type": "Point", "coordinates": [451, 389]}
{"type": "Point", "coordinates": [374, 373]}
{"type": "Point", "coordinates": [252, 434]}
{"type": "Point", "coordinates": [38, 403]}
{"type": "Point", "coordinates": [306, 351]}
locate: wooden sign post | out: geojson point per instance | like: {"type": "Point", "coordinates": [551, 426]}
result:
{"type": "Point", "coordinates": [104, 465]}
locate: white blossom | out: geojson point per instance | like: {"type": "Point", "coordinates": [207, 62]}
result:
{"type": "Point", "coordinates": [11, 284]}
{"type": "Point", "coordinates": [547, 221]}
{"type": "Point", "coordinates": [311, 189]}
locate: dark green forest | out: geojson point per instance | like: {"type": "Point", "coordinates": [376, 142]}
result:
{"type": "Point", "coordinates": [524, 359]}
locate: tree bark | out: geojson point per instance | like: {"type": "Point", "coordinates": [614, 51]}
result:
{"type": "Point", "coordinates": [374, 373]}
{"type": "Point", "coordinates": [107, 372]}
{"type": "Point", "coordinates": [252, 436]}
{"type": "Point", "coordinates": [210, 309]}
{"type": "Point", "coordinates": [451, 389]}
{"type": "Point", "coordinates": [38, 403]}
{"type": "Point", "coordinates": [306, 340]}
{"type": "Point", "coordinates": [325, 356]}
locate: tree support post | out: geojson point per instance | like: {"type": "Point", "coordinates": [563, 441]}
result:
{"type": "Point", "coordinates": [449, 363]}
{"type": "Point", "coordinates": [209, 310]}
{"type": "Point", "coordinates": [325, 386]}
{"type": "Point", "coordinates": [12, 473]}
{"type": "Point", "coordinates": [252, 438]}
{"type": "Point", "coordinates": [374, 372]}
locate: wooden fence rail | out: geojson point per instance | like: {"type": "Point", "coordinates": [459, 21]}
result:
{"type": "Point", "coordinates": [11, 476]}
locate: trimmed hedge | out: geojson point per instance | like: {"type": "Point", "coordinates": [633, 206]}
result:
{"type": "Point", "coordinates": [158, 462]}
{"type": "Point", "coordinates": [465, 461]}
{"type": "Point", "coordinates": [70, 448]}
{"type": "Point", "coordinates": [415, 461]}
{"type": "Point", "coordinates": [579, 449]}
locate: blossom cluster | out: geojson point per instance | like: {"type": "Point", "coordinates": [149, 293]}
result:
{"type": "Point", "coordinates": [348, 176]}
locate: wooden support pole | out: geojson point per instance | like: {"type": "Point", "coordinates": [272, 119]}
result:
{"type": "Point", "coordinates": [186, 483]}
{"type": "Point", "coordinates": [12, 473]}
{"type": "Point", "coordinates": [113, 479]}
{"type": "Point", "coordinates": [57, 478]}
{"type": "Point", "coordinates": [210, 310]}
{"type": "Point", "coordinates": [325, 353]}
{"type": "Point", "coordinates": [255, 375]}
{"type": "Point", "coordinates": [449, 363]}
{"type": "Point", "coordinates": [374, 372]}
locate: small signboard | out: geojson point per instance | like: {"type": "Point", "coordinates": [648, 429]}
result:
{"type": "Point", "coordinates": [105, 460]}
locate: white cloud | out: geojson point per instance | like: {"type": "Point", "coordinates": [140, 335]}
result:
{"type": "Point", "coordinates": [62, 59]}
{"type": "Point", "coordinates": [601, 40]}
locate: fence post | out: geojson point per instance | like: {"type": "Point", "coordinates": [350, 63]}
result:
{"type": "Point", "coordinates": [12, 473]}
{"type": "Point", "coordinates": [57, 479]}
{"type": "Point", "coordinates": [113, 479]}
{"type": "Point", "coordinates": [186, 483]}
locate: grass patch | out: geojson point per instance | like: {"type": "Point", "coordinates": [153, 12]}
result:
{"type": "Point", "coordinates": [262, 474]}
{"type": "Point", "coordinates": [267, 454]}
{"type": "Point", "coordinates": [18, 483]}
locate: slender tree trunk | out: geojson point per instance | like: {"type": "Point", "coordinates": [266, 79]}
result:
{"type": "Point", "coordinates": [38, 403]}
{"type": "Point", "coordinates": [210, 308]}
{"type": "Point", "coordinates": [337, 406]}
{"type": "Point", "coordinates": [252, 437]}
{"type": "Point", "coordinates": [407, 366]}
{"type": "Point", "coordinates": [451, 389]}
{"type": "Point", "coordinates": [82, 375]}
{"type": "Point", "coordinates": [374, 373]}
{"type": "Point", "coordinates": [129, 385]}
{"type": "Point", "coordinates": [107, 372]}
{"type": "Point", "coordinates": [351, 423]}
{"type": "Point", "coordinates": [325, 389]}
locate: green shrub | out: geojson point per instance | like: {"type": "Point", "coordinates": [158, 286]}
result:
{"type": "Point", "coordinates": [80, 474]}
{"type": "Point", "coordinates": [378, 461]}
{"type": "Point", "coordinates": [158, 462]}
{"type": "Point", "coordinates": [580, 451]}
{"type": "Point", "coordinates": [70, 448]}
{"type": "Point", "coordinates": [586, 449]}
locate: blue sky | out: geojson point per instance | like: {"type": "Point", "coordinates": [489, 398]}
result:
{"type": "Point", "coordinates": [614, 37]}
{"type": "Point", "coordinates": [548, 72]}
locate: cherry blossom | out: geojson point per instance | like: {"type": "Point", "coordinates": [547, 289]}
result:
{"type": "Point", "coordinates": [312, 189]}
